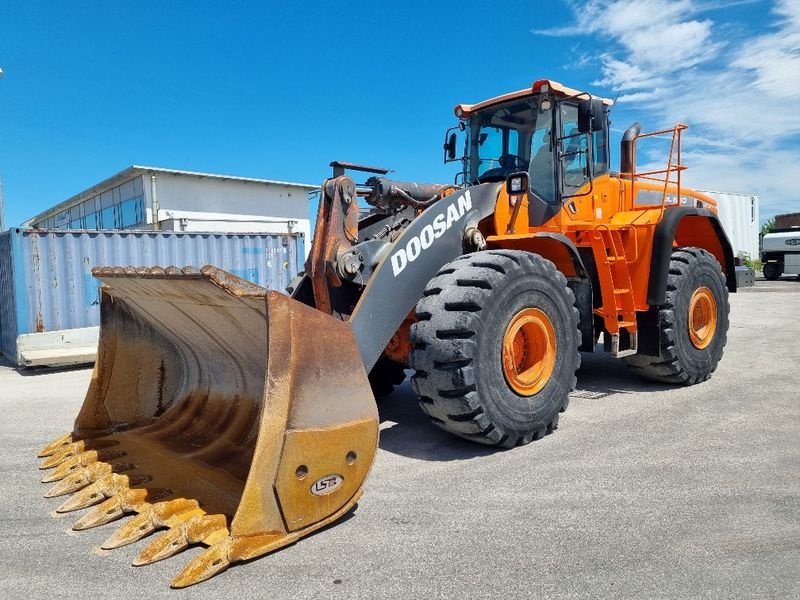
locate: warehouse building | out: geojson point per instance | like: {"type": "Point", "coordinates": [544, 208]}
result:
{"type": "Point", "coordinates": [143, 216]}
{"type": "Point", "coordinates": [153, 198]}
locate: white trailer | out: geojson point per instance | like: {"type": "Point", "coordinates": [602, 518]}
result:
{"type": "Point", "coordinates": [781, 253]}
{"type": "Point", "coordinates": [738, 214]}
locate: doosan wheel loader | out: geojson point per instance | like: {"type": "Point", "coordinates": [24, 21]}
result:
{"type": "Point", "coordinates": [242, 419]}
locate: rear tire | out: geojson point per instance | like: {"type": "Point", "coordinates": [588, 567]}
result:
{"type": "Point", "coordinates": [466, 375]}
{"type": "Point", "coordinates": [772, 271]}
{"type": "Point", "coordinates": [693, 322]}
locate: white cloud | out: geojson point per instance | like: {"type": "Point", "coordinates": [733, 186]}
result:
{"type": "Point", "coordinates": [739, 98]}
{"type": "Point", "coordinates": [655, 36]}
{"type": "Point", "coordinates": [774, 58]}
{"type": "Point", "coordinates": [641, 96]}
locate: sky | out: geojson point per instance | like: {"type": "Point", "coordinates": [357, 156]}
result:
{"type": "Point", "coordinates": [277, 90]}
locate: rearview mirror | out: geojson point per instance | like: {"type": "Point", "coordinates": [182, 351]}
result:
{"type": "Point", "coordinates": [450, 142]}
{"type": "Point", "coordinates": [451, 147]}
{"type": "Point", "coordinates": [591, 115]}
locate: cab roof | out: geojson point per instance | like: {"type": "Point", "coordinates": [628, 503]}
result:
{"type": "Point", "coordinates": [464, 110]}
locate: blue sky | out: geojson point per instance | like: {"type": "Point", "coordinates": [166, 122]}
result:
{"type": "Point", "coordinates": [278, 90]}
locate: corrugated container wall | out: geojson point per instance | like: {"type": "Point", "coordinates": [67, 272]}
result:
{"type": "Point", "coordinates": [46, 282]}
{"type": "Point", "coordinates": [738, 214]}
{"type": "Point", "coordinates": [8, 311]}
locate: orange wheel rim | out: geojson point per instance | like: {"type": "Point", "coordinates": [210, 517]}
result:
{"type": "Point", "coordinates": [529, 351]}
{"type": "Point", "coordinates": [702, 317]}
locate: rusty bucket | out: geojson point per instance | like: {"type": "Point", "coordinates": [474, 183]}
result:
{"type": "Point", "coordinates": [220, 412]}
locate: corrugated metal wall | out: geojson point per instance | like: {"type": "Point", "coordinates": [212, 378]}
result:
{"type": "Point", "coordinates": [8, 311]}
{"type": "Point", "coordinates": [46, 282]}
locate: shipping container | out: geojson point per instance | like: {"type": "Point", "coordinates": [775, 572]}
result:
{"type": "Point", "coordinates": [49, 302]}
{"type": "Point", "coordinates": [738, 214]}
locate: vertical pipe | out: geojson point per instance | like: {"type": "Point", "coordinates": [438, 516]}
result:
{"type": "Point", "coordinates": [154, 202]}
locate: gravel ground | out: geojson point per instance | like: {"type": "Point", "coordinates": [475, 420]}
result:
{"type": "Point", "coordinates": [645, 491]}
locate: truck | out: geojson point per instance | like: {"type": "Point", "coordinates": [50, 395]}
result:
{"type": "Point", "coordinates": [780, 253]}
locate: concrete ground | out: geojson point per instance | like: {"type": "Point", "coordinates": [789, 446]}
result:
{"type": "Point", "coordinates": [645, 491]}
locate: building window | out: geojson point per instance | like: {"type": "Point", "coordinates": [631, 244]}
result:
{"type": "Point", "coordinates": [120, 207]}
{"type": "Point", "coordinates": [62, 220]}
{"type": "Point", "coordinates": [107, 218]}
{"type": "Point", "coordinates": [91, 221]}
{"type": "Point", "coordinates": [129, 213]}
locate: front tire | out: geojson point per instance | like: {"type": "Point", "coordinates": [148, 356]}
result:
{"type": "Point", "coordinates": [693, 322]}
{"type": "Point", "coordinates": [496, 347]}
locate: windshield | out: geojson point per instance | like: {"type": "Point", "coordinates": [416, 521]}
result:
{"type": "Point", "coordinates": [504, 139]}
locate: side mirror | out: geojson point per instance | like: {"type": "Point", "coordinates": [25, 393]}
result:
{"type": "Point", "coordinates": [517, 183]}
{"type": "Point", "coordinates": [450, 141]}
{"type": "Point", "coordinates": [591, 115]}
{"type": "Point", "coordinates": [451, 147]}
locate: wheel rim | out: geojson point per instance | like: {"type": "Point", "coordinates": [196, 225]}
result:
{"type": "Point", "coordinates": [702, 317]}
{"type": "Point", "coordinates": [529, 351]}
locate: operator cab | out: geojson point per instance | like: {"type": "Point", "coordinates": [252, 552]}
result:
{"type": "Point", "coordinates": [558, 136]}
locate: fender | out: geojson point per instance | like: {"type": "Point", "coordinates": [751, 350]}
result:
{"type": "Point", "coordinates": [569, 247]}
{"type": "Point", "coordinates": [562, 252]}
{"type": "Point", "coordinates": [662, 250]}
{"type": "Point", "coordinates": [581, 286]}
{"type": "Point", "coordinates": [431, 240]}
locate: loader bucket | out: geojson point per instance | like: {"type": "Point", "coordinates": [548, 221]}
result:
{"type": "Point", "coordinates": [223, 413]}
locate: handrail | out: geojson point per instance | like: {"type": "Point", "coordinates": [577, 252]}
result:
{"type": "Point", "coordinates": [676, 167]}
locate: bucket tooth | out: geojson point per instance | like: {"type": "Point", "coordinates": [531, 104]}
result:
{"type": "Point", "coordinates": [208, 529]}
{"type": "Point", "coordinates": [105, 487]}
{"type": "Point", "coordinates": [102, 489]}
{"type": "Point", "coordinates": [59, 456]}
{"type": "Point", "coordinates": [133, 530]}
{"type": "Point", "coordinates": [84, 459]}
{"type": "Point", "coordinates": [231, 549]}
{"type": "Point", "coordinates": [170, 513]}
{"type": "Point", "coordinates": [88, 496]}
{"type": "Point", "coordinates": [78, 480]}
{"type": "Point", "coordinates": [68, 451]}
{"type": "Point", "coordinates": [212, 561]}
{"type": "Point", "coordinates": [56, 444]}
{"type": "Point", "coordinates": [112, 509]}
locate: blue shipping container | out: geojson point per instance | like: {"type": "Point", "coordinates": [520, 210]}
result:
{"type": "Point", "coordinates": [46, 282]}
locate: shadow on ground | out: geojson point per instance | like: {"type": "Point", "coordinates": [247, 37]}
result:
{"type": "Point", "coordinates": [604, 375]}
{"type": "Point", "coordinates": [37, 371]}
{"type": "Point", "coordinates": [407, 431]}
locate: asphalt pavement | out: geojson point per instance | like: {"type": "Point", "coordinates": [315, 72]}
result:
{"type": "Point", "coordinates": [645, 491]}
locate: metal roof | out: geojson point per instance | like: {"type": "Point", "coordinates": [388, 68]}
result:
{"type": "Point", "coordinates": [134, 170]}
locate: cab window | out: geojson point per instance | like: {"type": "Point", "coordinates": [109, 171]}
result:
{"type": "Point", "coordinates": [497, 149]}
{"type": "Point", "coordinates": [542, 169]}
{"type": "Point", "coordinates": [573, 151]}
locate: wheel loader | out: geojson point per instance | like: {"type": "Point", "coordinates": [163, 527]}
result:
{"type": "Point", "coordinates": [242, 419]}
